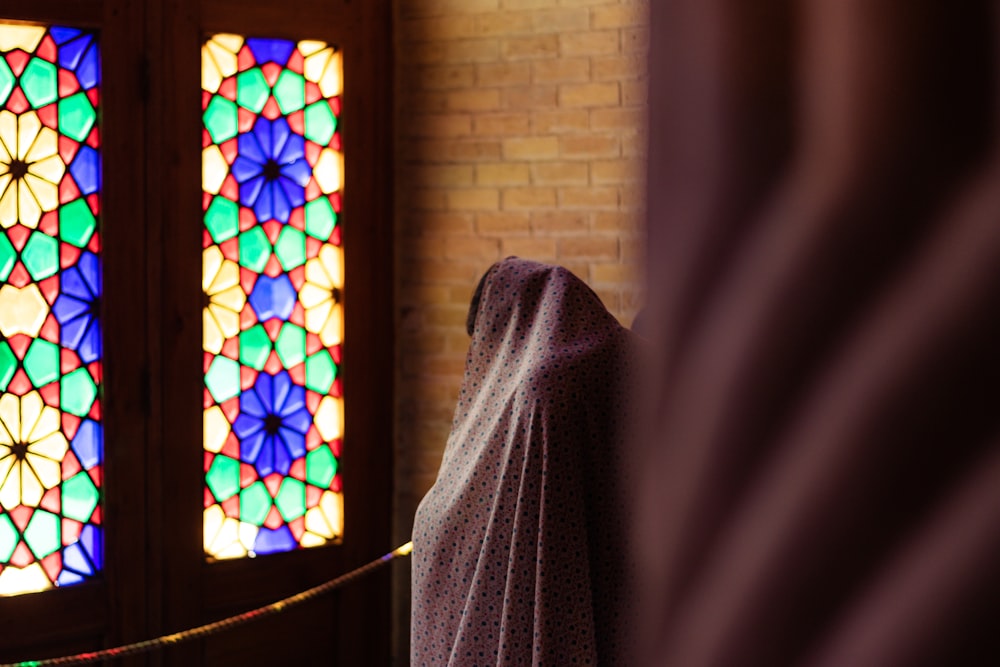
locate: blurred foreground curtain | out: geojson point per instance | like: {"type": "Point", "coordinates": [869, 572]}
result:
{"type": "Point", "coordinates": [820, 468]}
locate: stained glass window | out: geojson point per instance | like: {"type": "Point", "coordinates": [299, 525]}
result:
{"type": "Point", "coordinates": [51, 446]}
{"type": "Point", "coordinates": [272, 276]}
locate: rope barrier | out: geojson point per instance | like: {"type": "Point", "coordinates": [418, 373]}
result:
{"type": "Point", "coordinates": [217, 626]}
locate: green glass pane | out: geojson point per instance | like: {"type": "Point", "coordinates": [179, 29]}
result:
{"type": "Point", "coordinates": [39, 83]}
{"type": "Point", "coordinates": [320, 123]}
{"type": "Point", "coordinates": [76, 116]}
{"type": "Point", "coordinates": [8, 365]}
{"type": "Point", "coordinates": [8, 255]}
{"type": "Point", "coordinates": [320, 372]}
{"type": "Point", "coordinates": [41, 256]}
{"type": "Point", "coordinates": [255, 503]}
{"type": "Point", "coordinates": [77, 392]}
{"type": "Point", "coordinates": [76, 223]}
{"type": "Point", "coordinates": [255, 249]}
{"type": "Point", "coordinates": [252, 90]}
{"type": "Point", "coordinates": [290, 91]}
{"type": "Point", "coordinates": [320, 218]}
{"type": "Point", "coordinates": [223, 477]}
{"type": "Point", "coordinates": [223, 378]}
{"type": "Point", "coordinates": [42, 534]}
{"type": "Point", "coordinates": [222, 219]}
{"type": "Point", "coordinates": [290, 248]}
{"type": "Point", "coordinates": [8, 538]}
{"type": "Point", "coordinates": [41, 363]}
{"type": "Point", "coordinates": [7, 79]}
{"type": "Point", "coordinates": [221, 119]}
{"type": "Point", "coordinates": [291, 499]}
{"type": "Point", "coordinates": [291, 345]}
{"type": "Point", "coordinates": [321, 466]}
{"type": "Point", "coordinates": [255, 347]}
{"type": "Point", "coordinates": [79, 497]}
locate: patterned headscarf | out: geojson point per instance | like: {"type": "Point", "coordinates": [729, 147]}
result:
{"type": "Point", "coordinates": [518, 547]}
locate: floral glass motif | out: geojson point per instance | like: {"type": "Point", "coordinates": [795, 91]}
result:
{"type": "Point", "coordinates": [272, 274]}
{"type": "Point", "coordinates": [51, 444]}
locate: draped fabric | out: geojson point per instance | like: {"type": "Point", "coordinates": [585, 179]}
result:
{"type": "Point", "coordinates": [519, 547]}
{"type": "Point", "coordinates": [819, 470]}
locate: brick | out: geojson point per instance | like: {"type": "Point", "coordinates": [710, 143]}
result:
{"type": "Point", "coordinates": [634, 92]}
{"type": "Point", "coordinates": [439, 125]}
{"type": "Point", "coordinates": [560, 70]}
{"type": "Point", "coordinates": [459, 52]}
{"type": "Point", "coordinates": [635, 39]}
{"type": "Point", "coordinates": [436, 28]}
{"type": "Point", "coordinates": [443, 175]}
{"type": "Point", "coordinates": [588, 247]}
{"type": "Point", "coordinates": [444, 77]}
{"type": "Point", "coordinates": [504, 223]}
{"type": "Point", "coordinates": [439, 222]}
{"type": "Point", "coordinates": [592, 43]}
{"type": "Point", "coordinates": [529, 97]}
{"type": "Point", "coordinates": [473, 199]}
{"type": "Point", "coordinates": [436, 271]}
{"type": "Point", "coordinates": [589, 146]}
{"type": "Point", "coordinates": [555, 222]}
{"type": "Point", "coordinates": [531, 148]}
{"type": "Point", "coordinates": [588, 198]}
{"type": "Point", "coordinates": [554, 122]}
{"type": "Point", "coordinates": [634, 145]}
{"type": "Point", "coordinates": [619, 68]}
{"type": "Point", "coordinates": [518, 198]}
{"type": "Point", "coordinates": [446, 316]}
{"type": "Point", "coordinates": [458, 247]}
{"type": "Point", "coordinates": [622, 118]}
{"type": "Point", "coordinates": [561, 20]}
{"type": "Point", "coordinates": [619, 16]}
{"type": "Point", "coordinates": [503, 124]}
{"type": "Point", "coordinates": [503, 173]}
{"type": "Point", "coordinates": [409, 8]}
{"type": "Point", "coordinates": [615, 221]}
{"type": "Point", "coordinates": [503, 74]}
{"type": "Point", "coordinates": [454, 151]}
{"type": "Point", "coordinates": [588, 94]}
{"type": "Point", "coordinates": [525, 4]}
{"type": "Point", "coordinates": [560, 173]}
{"type": "Point", "coordinates": [603, 172]}
{"type": "Point", "coordinates": [610, 273]}
{"type": "Point", "coordinates": [537, 46]}
{"type": "Point", "coordinates": [632, 197]}
{"type": "Point", "coordinates": [610, 297]}
{"type": "Point", "coordinates": [538, 249]}
{"type": "Point", "coordinates": [503, 23]}
{"type": "Point", "coordinates": [425, 199]}
{"type": "Point", "coordinates": [474, 99]}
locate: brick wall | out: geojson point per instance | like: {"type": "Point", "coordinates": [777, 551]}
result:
{"type": "Point", "coordinates": [519, 132]}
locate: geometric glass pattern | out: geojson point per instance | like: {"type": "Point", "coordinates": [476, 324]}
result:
{"type": "Point", "coordinates": [51, 444]}
{"type": "Point", "coordinates": [272, 274]}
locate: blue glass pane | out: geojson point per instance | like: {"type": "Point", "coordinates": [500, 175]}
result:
{"type": "Point", "coordinates": [251, 404]}
{"type": "Point", "coordinates": [72, 331]}
{"type": "Point", "coordinates": [274, 50]}
{"type": "Point", "coordinates": [282, 461]}
{"type": "Point", "coordinates": [87, 443]}
{"type": "Point", "coordinates": [281, 207]}
{"type": "Point", "coordinates": [67, 577]}
{"type": "Point", "coordinates": [281, 384]}
{"type": "Point", "coordinates": [250, 190]}
{"type": "Point", "coordinates": [85, 170]}
{"type": "Point", "coordinates": [265, 457]}
{"type": "Point", "coordinates": [90, 346]}
{"type": "Point", "coordinates": [70, 54]}
{"type": "Point", "coordinates": [87, 73]}
{"type": "Point", "coordinates": [263, 207]}
{"type": "Point", "coordinates": [294, 440]}
{"type": "Point", "coordinates": [294, 148]}
{"type": "Point", "coordinates": [298, 171]}
{"type": "Point", "coordinates": [91, 540]}
{"type": "Point", "coordinates": [75, 559]}
{"type": "Point", "coordinates": [296, 194]}
{"type": "Point", "coordinates": [62, 35]}
{"type": "Point", "coordinates": [273, 297]}
{"type": "Point", "coordinates": [245, 425]}
{"type": "Point", "coordinates": [250, 447]}
{"type": "Point", "coordinates": [67, 307]}
{"type": "Point", "coordinates": [244, 169]}
{"type": "Point", "coordinates": [250, 148]}
{"type": "Point", "coordinates": [272, 541]}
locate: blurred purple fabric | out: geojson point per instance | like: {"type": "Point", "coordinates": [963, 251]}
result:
{"type": "Point", "coordinates": [819, 466]}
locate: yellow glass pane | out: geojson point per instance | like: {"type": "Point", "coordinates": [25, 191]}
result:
{"type": "Point", "coordinates": [212, 339]}
{"type": "Point", "coordinates": [232, 299]}
{"type": "Point", "coordinates": [46, 144]}
{"type": "Point", "coordinates": [31, 487]}
{"type": "Point", "coordinates": [16, 580]}
{"type": "Point", "coordinates": [28, 126]}
{"type": "Point", "coordinates": [315, 64]}
{"type": "Point", "coordinates": [211, 262]}
{"type": "Point", "coordinates": [333, 263]}
{"type": "Point", "coordinates": [333, 508]}
{"type": "Point", "coordinates": [44, 192]}
{"type": "Point", "coordinates": [229, 321]}
{"type": "Point", "coordinates": [25, 37]}
{"type": "Point", "coordinates": [29, 212]}
{"type": "Point", "coordinates": [10, 491]}
{"type": "Point", "coordinates": [329, 418]}
{"type": "Point", "coordinates": [309, 46]}
{"type": "Point", "coordinates": [50, 168]}
{"type": "Point", "coordinates": [227, 277]}
{"type": "Point", "coordinates": [31, 411]}
{"type": "Point", "coordinates": [8, 131]}
{"type": "Point", "coordinates": [333, 328]}
{"type": "Point", "coordinates": [5, 157]}
{"type": "Point", "coordinates": [47, 472]}
{"type": "Point", "coordinates": [47, 424]}
{"type": "Point", "coordinates": [225, 58]}
{"type": "Point", "coordinates": [331, 83]}
{"type": "Point", "coordinates": [22, 310]}
{"type": "Point", "coordinates": [216, 429]}
{"type": "Point", "coordinates": [8, 205]}
{"type": "Point", "coordinates": [10, 411]}
{"type": "Point", "coordinates": [231, 43]}
{"type": "Point", "coordinates": [213, 169]}
{"type": "Point", "coordinates": [310, 539]}
{"type": "Point", "coordinates": [211, 77]}
{"type": "Point", "coordinates": [53, 446]}
{"type": "Point", "coordinates": [329, 170]}
{"type": "Point", "coordinates": [6, 461]}
{"type": "Point", "coordinates": [247, 535]}
{"type": "Point", "coordinates": [317, 315]}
